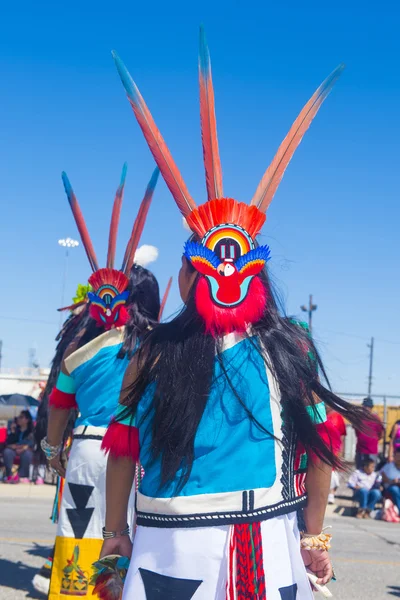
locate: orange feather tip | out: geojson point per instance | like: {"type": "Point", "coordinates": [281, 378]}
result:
{"type": "Point", "coordinates": [212, 162]}
{"type": "Point", "coordinates": [109, 277]}
{"type": "Point", "coordinates": [139, 223]}
{"type": "Point", "coordinates": [274, 174]}
{"type": "Point", "coordinates": [155, 141]}
{"type": "Point", "coordinates": [165, 298]}
{"type": "Point", "coordinates": [115, 218]}
{"type": "Point", "coordinates": [223, 211]}
{"type": "Point", "coordinates": [80, 222]}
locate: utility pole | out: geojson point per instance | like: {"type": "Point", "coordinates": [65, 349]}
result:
{"type": "Point", "coordinates": [371, 360]}
{"type": "Point", "coordinates": [309, 309]}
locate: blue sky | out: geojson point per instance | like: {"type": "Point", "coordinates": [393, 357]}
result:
{"type": "Point", "coordinates": [333, 225]}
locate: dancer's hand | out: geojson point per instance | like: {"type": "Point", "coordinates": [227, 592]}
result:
{"type": "Point", "coordinates": [56, 464]}
{"type": "Point", "coordinates": [319, 563]}
{"type": "Point", "coordinates": [120, 545]}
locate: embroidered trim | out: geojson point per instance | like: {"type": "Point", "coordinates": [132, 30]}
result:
{"type": "Point", "coordinates": [227, 518]}
{"type": "Point", "coordinates": [82, 436]}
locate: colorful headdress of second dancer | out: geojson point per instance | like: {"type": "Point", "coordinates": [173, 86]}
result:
{"type": "Point", "coordinates": [230, 294]}
{"type": "Point", "coordinates": [109, 295]}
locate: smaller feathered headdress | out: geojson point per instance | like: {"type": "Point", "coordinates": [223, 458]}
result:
{"type": "Point", "coordinates": [109, 286]}
{"type": "Point", "coordinates": [230, 294]}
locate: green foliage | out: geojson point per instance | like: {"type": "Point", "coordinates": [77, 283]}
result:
{"type": "Point", "coordinates": [81, 292]}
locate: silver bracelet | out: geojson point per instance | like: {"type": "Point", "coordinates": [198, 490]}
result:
{"type": "Point", "coordinates": [108, 535]}
{"type": "Point", "coordinates": [50, 451]}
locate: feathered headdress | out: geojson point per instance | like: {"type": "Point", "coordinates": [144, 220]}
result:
{"type": "Point", "coordinates": [230, 294]}
{"type": "Point", "coordinates": [109, 286]}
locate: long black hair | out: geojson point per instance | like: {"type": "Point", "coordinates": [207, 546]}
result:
{"type": "Point", "coordinates": [143, 307]}
{"type": "Point", "coordinates": [78, 324]}
{"type": "Point", "coordinates": [179, 357]}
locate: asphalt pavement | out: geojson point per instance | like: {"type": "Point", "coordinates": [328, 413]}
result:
{"type": "Point", "coordinates": [366, 554]}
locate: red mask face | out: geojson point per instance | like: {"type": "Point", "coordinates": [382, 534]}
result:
{"type": "Point", "coordinates": [219, 320]}
{"type": "Point", "coordinates": [109, 318]}
{"type": "Point", "coordinates": [107, 303]}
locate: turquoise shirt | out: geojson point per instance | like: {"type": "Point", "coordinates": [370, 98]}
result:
{"type": "Point", "coordinates": [98, 376]}
{"type": "Point", "coordinates": [229, 448]}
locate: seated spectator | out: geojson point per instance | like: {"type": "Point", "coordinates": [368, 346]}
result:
{"type": "Point", "coordinates": [365, 483]}
{"type": "Point", "coordinates": [391, 478]}
{"type": "Point", "coordinates": [19, 443]}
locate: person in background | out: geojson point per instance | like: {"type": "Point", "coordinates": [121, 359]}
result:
{"type": "Point", "coordinates": [19, 444]}
{"type": "Point", "coordinates": [337, 431]}
{"type": "Point", "coordinates": [369, 437]}
{"type": "Point", "coordinates": [394, 440]}
{"type": "Point", "coordinates": [365, 483]}
{"type": "Point", "coordinates": [391, 478]}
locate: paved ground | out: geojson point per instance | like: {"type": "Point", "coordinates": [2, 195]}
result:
{"type": "Point", "coordinates": [26, 534]}
{"type": "Point", "coordinates": [366, 553]}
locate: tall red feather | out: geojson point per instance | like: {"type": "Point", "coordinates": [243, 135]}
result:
{"type": "Point", "coordinates": [80, 222]}
{"type": "Point", "coordinates": [156, 143]}
{"type": "Point", "coordinates": [165, 298]}
{"type": "Point", "coordinates": [115, 216]}
{"type": "Point", "coordinates": [139, 223]}
{"type": "Point", "coordinates": [273, 175]}
{"type": "Point", "coordinates": [212, 162]}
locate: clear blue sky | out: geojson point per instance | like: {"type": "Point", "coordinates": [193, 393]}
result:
{"type": "Point", "coordinates": [333, 225]}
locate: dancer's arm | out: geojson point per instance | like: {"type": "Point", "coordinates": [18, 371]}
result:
{"type": "Point", "coordinates": [62, 400]}
{"type": "Point", "coordinates": [122, 443]}
{"type": "Point", "coordinates": [120, 475]}
{"type": "Point", "coordinates": [318, 481]}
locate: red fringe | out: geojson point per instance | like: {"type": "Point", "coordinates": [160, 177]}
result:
{"type": "Point", "coordinates": [220, 321]}
{"type": "Point", "coordinates": [121, 441]}
{"type": "Point", "coordinates": [62, 400]}
{"type": "Point", "coordinates": [246, 554]}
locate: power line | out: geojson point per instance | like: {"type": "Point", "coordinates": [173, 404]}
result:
{"type": "Point", "coordinates": [358, 337]}
{"type": "Point", "coordinates": [22, 319]}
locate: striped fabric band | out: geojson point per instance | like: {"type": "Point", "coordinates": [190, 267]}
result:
{"type": "Point", "coordinates": [65, 383]}
{"type": "Point", "coordinates": [317, 412]}
{"type": "Point", "coordinates": [63, 393]}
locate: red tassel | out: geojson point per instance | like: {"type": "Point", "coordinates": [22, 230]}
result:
{"type": "Point", "coordinates": [245, 549]}
{"type": "Point", "coordinates": [121, 441]}
{"type": "Point", "coordinates": [62, 400]}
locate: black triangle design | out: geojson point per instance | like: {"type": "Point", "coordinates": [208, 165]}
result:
{"type": "Point", "coordinates": [79, 519]}
{"type": "Point", "coordinates": [80, 494]}
{"type": "Point", "coordinates": [289, 592]}
{"type": "Point", "coordinates": [160, 587]}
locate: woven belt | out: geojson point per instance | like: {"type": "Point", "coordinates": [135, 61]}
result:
{"type": "Point", "coordinates": [88, 432]}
